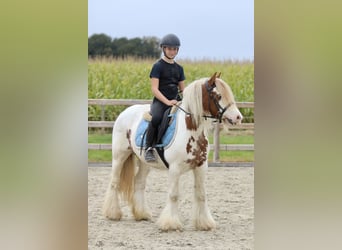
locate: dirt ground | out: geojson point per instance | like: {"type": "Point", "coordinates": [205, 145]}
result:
{"type": "Point", "coordinates": [230, 192]}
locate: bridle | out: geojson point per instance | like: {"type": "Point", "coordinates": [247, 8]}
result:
{"type": "Point", "coordinates": [220, 109]}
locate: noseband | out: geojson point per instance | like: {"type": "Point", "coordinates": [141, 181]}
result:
{"type": "Point", "coordinates": [220, 109]}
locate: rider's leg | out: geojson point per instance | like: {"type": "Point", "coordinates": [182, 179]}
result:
{"type": "Point", "coordinates": [157, 111]}
{"type": "Point", "coordinates": [150, 135]}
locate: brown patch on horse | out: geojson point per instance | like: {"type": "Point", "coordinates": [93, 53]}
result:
{"type": "Point", "coordinates": [190, 125]}
{"type": "Point", "coordinates": [188, 145]}
{"type": "Point", "coordinates": [207, 100]}
{"type": "Point", "coordinates": [198, 151]}
{"type": "Point", "coordinates": [128, 136]}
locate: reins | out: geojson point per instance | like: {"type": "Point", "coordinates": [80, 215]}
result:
{"type": "Point", "coordinates": [186, 112]}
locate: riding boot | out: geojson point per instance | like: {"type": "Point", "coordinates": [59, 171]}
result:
{"type": "Point", "coordinates": [150, 137]}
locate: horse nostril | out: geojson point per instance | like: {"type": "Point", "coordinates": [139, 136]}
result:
{"type": "Point", "coordinates": [238, 117]}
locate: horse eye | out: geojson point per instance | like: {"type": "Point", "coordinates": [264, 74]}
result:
{"type": "Point", "coordinates": [219, 97]}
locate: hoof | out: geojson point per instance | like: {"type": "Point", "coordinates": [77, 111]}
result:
{"type": "Point", "coordinates": [142, 215]}
{"type": "Point", "coordinates": [170, 225]}
{"type": "Point", "coordinates": [113, 216]}
{"type": "Point", "coordinates": [205, 226]}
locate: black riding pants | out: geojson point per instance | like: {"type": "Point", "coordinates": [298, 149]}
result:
{"type": "Point", "coordinates": [157, 110]}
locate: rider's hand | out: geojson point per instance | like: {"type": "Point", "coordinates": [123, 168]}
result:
{"type": "Point", "coordinates": [172, 102]}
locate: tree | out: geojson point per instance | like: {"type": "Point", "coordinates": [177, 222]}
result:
{"type": "Point", "coordinates": [103, 45]}
{"type": "Point", "coordinates": [99, 45]}
{"type": "Point", "coordinates": [150, 46]}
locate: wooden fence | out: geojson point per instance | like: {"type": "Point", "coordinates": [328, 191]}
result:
{"type": "Point", "coordinates": [216, 146]}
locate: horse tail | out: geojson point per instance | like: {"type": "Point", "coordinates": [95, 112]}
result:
{"type": "Point", "coordinates": [126, 185]}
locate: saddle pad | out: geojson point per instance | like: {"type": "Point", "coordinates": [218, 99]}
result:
{"type": "Point", "coordinates": [167, 137]}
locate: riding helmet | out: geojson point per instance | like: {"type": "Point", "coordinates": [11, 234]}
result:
{"type": "Point", "coordinates": [170, 40]}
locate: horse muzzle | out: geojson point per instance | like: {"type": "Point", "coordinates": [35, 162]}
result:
{"type": "Point", "coordinates": [233, 121]}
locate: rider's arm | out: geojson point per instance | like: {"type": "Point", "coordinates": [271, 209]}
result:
{"type": "Point", "coordinates": [181, 86]}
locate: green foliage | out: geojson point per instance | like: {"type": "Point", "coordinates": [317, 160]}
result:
{"type": "Point", "coordinates": [99, 45]}
{"type": "Point", "coordinates": [233, 156]}
{"type": "Point", "coordinates": [234, 139]}
{"type": "Point", "coordinates": [99, 155]}
{"type": "Point", "coordinates": [103, 45]}
{"type": "Point", "coordinates": [99, 138]}
{"type": "Point", "coordinates": [129, 79]}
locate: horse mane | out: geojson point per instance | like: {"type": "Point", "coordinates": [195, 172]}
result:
{"type": "Point", "coordinates": [192, 100]}
{"type": "Point", "coordinates": [192, 97]}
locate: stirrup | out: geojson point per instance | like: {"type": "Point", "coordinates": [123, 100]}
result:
{"type": "Point", "coordinates": [149, 155]}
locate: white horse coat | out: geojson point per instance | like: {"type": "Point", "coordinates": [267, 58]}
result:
{"type": "Point", "coordinates": [188, 151]}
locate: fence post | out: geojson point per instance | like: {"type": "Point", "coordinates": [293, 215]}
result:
{"type": "Point", "coordinates": [102, 118]}
{"type": "Point", "coordinates": [216, 142]}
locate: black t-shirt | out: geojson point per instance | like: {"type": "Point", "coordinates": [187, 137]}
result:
{"type": "Point", "coordinates": [169, 75]}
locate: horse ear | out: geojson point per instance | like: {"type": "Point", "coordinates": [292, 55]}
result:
{"type": "Point", "coordinates": [219, 74]}
{"type": "Point", "coordinates": [212, 79]}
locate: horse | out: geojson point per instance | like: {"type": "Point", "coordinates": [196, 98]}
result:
{"type": "Point", "coordinates": [202, 99]}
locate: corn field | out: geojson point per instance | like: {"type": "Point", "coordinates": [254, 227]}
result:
{"type": "Point", "coordinates": [129, 79]}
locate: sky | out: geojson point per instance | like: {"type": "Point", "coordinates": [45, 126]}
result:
{"type": "Point", "coordinates": [210, 29]}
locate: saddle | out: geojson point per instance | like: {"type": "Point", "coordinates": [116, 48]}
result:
{"type": "Point", "coordinates": [165, 134]}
